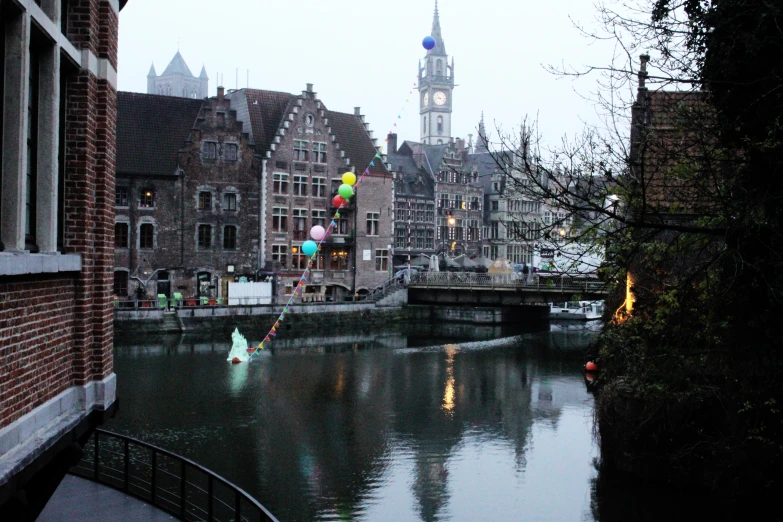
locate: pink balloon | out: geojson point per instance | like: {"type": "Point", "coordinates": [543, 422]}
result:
{"type": "Point", "coordinates": [317, 232]}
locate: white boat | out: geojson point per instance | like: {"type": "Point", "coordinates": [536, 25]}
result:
{"type": "Point", "coordinates": [576, 310]}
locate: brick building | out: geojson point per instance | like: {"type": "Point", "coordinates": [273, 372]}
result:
{"type": "Point", "coordinates": [58, 106]}
{"type": "Point", "coordinates": [209, 190]}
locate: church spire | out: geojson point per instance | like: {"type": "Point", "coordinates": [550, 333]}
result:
{"type": "Point", "coordinates": [152, 73]}
{"type": "Point", "coordinates": [482, 145]}
{"type": "Point", "coordinates": [440, 46]}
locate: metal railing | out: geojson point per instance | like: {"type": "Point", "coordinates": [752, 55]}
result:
{"type": "Point", "coordinates": [385, 289]}
{"type": "Point", "coordinates": [169, 482]}
{"type": "Point", "coordinates": [534, 282]}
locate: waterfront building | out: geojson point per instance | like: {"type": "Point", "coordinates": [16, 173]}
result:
{"type": "Point", "coordinates": [58, 99]}
{"type": "Point", "coordinates": [177, 80]}
{"type": "Point", "coordinates": [229, 187]}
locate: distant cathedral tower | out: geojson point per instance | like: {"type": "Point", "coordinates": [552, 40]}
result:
{"type": "Point", "coordinates": [436, 84]}
{"type": "Point", "coordinates": [177, 80]}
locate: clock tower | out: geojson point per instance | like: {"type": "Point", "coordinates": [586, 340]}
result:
{"type": "Point", "coordinates": [436, 84]}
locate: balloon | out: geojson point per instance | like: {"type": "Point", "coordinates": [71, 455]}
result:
{"type": "Point", "coordinates": [309, 248]}
{"type": "Point", "coordinates": [346, 191]}
{"type": "Point", "coordinates": [338, 201]}
{"type": "Point", "coordinates": [349, 178]}
{"type": "Point", "coordinates": [317, 232]}
{"type": "Point", "coordinates": [428, 43]}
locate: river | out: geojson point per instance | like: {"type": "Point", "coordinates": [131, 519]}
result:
{"type": "Point", "coordinates": [426, 422]}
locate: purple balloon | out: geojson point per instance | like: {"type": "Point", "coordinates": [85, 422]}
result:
{"type": "Point", "coordinates": [317, 232]}
{"type": "Point", "coordinates": [428, 43]}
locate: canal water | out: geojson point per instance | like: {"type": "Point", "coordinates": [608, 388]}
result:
{"type": "Point", "coordinates": [431, 422]}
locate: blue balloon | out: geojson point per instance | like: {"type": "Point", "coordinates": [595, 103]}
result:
{"type": "Point", "coordinates": [428, 43]}
{"type": "Point", "coordinates": [309, 248]}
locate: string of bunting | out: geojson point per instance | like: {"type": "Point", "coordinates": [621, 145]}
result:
{"type": "Point", "coordinates": [311, 248]}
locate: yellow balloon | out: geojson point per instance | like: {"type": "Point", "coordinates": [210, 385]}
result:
{"type": "Point", "coordinates": [349, 178]}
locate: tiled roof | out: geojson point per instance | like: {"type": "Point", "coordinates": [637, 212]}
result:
{"type": "Point", "coordinates": [151, 129]}
{"type": "Point", "coordinates": [267, 110]}
{"type": "Point", "coordinates": [356, 142]}
{"type": "Point", "coordinates": [411, 181]}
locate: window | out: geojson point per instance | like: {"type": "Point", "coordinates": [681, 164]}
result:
{"type": "Point", "coordinates": [280, 183]}
{"type": "Point", "coordinates": [420, 212]}
{"type": "Point", "coordinates": [121, 235]}
{"type": "Point", "coordinates": [230, 151]}
{"type": "Point", "coordinates": [382, 260]}
{"type": "Point", "coordinates": [230, 237]}
{"type": "Point", "coordinates": [319, 152]}
{"type": "Point", "coordinates": [32, 147]}
{"type": "Point", "coordinates": [300, 150]}
{"type": "Point", "coordinates": [319, 187]}
{"type": "Point", "coordinates": [402, 238]}
{"type": "Point", "coordinates": [444, 201]}
{"type": "Point", "coordinates": [473, 230]}
{"type": "Point", "coordinates": [430, 244]}
{"type": "Point", "coordinates": [440, 125]}
{"type": "Point", "coordinates": [280, 219]}
{"type": "Point", "coordinates": [318, 263]}
{"type": "Point", "coordinates": [430, 217]}
{"type": "Point", "coordinates": [402, 213]}
{"type": "Point", "coordinates": [309, 120]}
{"type": "Point", "coordinates": [420, 238]}
{"type": "Point", "coordinates": [458, 203]}
{"type": "Point", "coordinates": [485, 252]}
{"type": "Point", "coordinates": [121, 283]}
{"type": "Point", "coordinates": [424, 125]}
{"type": "Point", "coordinates": [494, 230]}
{"type": "Point", "coordinates": [338, 260]}
{"type": "Point", "coordinates": [474, 203]}
{"type": "Point", "coordinates": [279, 255]}
{"type": "Point", "coordinates": [147, 236]}
{"type": "Point", "coordinates": [121, 197]}
{"type": "Point", "coordinates": [495, 205]}
{"type": "Point", "coordinates": [209, 150]}
{"type": "Point", "coordinates": [342, 226]}
{"type": "Point", "coordinates": [459, 231]}
{"type": "Point", "coordinates": [298, 259]}
{"type": "Point", "coordinates": [319, 218]}
{"type": "Point", "coordinates": [205, 236]}
{"type": "Point", "coordinates": [493, 252]}
{"type": "Point", "coordinates": [373, 220]}
{"type": "Point", "coordinates": [300, 224]}
{"type": "Point", "coordinates": [300, 185]}
{"type": "Point", "coordinates": [205, 200]}
{"type": "Point", "coordinates": [229, 201]}
{"type": "Point", "coordinates": [147, 198]}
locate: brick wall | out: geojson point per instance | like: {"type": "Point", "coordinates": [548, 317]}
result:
{"type": "Point", "coordinates": [36, 330]}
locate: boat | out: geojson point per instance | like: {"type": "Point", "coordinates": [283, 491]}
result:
{"type": "Point", "coordinates": [576, 310]}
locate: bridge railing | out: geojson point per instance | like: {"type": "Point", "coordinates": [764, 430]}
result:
{"type": "Point", "coordinates": [169, 482]}
{"type": "Point", "coordinates": [534, 282]}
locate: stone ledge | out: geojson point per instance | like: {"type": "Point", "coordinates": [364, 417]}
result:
{"type": "Point", "coordinates": [26, 439]}
{"type": "Point", "coordinates": [12, 264]}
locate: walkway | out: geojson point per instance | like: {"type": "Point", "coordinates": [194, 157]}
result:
{"type": "Point", "coordinates": [87, 501]}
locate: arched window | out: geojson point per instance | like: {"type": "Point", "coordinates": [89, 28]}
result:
{"type": "Point", "coordinates": [440, 124]}
{"type": "Point", "coordinates": [439, 68]}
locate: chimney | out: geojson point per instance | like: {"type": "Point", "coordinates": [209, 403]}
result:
{"type": "Point", "coordinates": [460, 145]}
{"type": "Point", "coordinates": [221, 93]}
{"type": "Point", "coordinates": [357, 111]}
{"type": "Point", "coordinates": [391, 147]}
{"type": "Point", "coordinates": [644, 59]}
{"type": "Point", "coordinates": [309, 87]}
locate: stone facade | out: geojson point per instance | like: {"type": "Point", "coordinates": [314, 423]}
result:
{"type": "Point", "coordinates": [203, 216]}
{"type": "Point", "coordinates": [177, 80]}
{"type": "Point", "coordinates": [56, 250]}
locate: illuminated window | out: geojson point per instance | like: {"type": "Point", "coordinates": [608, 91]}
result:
{"type": "Point", "coordinates": [147, 198]}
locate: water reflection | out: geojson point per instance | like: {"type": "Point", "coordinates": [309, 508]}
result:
{"type": "Point", "coordinates": [436, 422]}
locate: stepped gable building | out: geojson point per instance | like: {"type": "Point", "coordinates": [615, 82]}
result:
{"type": "Point", "coordinates": [177, 80]}
{"type": "Point", "coordinates": [187, 197]}
{"type": "Point", "coordinates": [58, 103]}
{"type": "Point", "coordinates": [306, 149]}
{"type": "Point", "coordinates": [227, 187]}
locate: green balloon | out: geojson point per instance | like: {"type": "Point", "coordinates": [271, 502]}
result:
{"type": "Point", "coordinates": [345, 190]}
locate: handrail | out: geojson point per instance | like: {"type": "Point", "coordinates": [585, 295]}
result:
{"type": "Point", "coordinates": [176, 491]}
{"type": "Point", "coordinates": [534, 282]}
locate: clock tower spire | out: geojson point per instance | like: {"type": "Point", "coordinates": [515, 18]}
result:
{"type": "Point", "coordinates": [436, 84]}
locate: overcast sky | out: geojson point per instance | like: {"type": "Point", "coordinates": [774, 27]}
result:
{"type": "Point", "coordinates": [365, 54]}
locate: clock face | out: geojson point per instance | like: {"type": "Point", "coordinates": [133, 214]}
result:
{"type": "Point", "coordinates": [439, 98]}
{"type": "Point", "coordinates": [426, 100]}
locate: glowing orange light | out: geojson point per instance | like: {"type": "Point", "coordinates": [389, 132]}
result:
{"type": "Point", "coordinates": [626, 309]}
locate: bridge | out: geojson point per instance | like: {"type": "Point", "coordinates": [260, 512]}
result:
{"type": "Point", "coordinates": [466, 288]}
